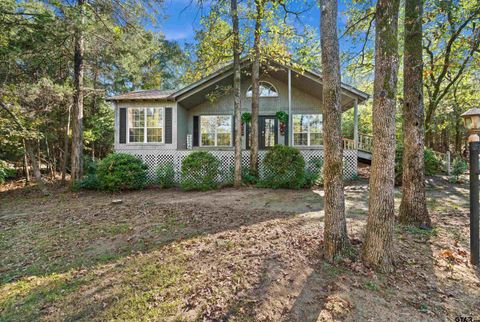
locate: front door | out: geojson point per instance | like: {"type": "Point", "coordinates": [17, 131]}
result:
{"type": "Point", "coordinates": [267, 132]}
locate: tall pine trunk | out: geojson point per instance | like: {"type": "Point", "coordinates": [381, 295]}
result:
{"type": "Point", "coordinates": [256, 88]}
{"type": "Point", "coordinates": [77, 124]}
{"type": "Point", "coordinates": [236, 95]}
{"type": "Point", "coordinates": [66, 144]}
{"type": "Point", "coordinates": [335, 234]}
{"type": "Point", "coordinates": [413, 208]}
{"type": "Point", "coordinates": [378, 246]}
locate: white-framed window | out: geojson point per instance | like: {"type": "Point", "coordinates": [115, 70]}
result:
{"type": "Point", "coordinates": [265, 90]}
{"type": "Point", "coordinates": [215, 130]}
{"type": "Point", "coordinates": [146, 125]}
{"type": "Point", "coordinates": [307, 129]}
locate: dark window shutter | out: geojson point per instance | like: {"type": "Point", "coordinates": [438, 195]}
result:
{"type": "Point", "coordinates": [247, 136]}
{"type": "Point", "coordinates": [195, 130]}
{"type": "Point", "coordinates": [168, 125]}
{"type": "Point", "coordinates": [123, 126]}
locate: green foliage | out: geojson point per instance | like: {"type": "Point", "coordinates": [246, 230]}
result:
{"type": "Point", "coordinates": [247, 177]}
{"type": "Point", "coordinates": [313, 173]}
{"type": "Point", "coordinates": [121, 171]}
{"type": "Point", "coordinates": [282, 116]}
{"type": "Point", "coordinates": [90, 179]}
{"type": "Point", "coordinates": [6, 172]}
{"type": "Point", "coordinates": [246, 117]}
{"type": "Point", "coordinates": [459, 167]}
{"type": "Point", "coordinates": [284, 168]}
{"type": "Point", "coordinates": [166, 175]}
{"type": "Point", "coordinates": [200, 170]}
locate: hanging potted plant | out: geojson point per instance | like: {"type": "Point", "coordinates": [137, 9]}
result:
{"type": "Point", "coordinates": [246, 118]}
{"type": "Point", "coordinates": [282, 117]}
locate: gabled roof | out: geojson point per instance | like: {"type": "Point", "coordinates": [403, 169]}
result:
{"type": "Point", "coordinates": [222, 73]}
{"type": "Point", "coordinates": [153, 94]}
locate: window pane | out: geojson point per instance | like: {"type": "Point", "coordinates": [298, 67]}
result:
{"type": "Point", "coordinates": [154, 135]}
{"type": "Point", "coordinates": [136, 117]}
{"type": "Point", "coordinates": [154, 117]}
{"type": "Point", "coordinates": [136, 135]}
{"type": "Point", "coordinates": [223, 139]}
{"type": "Point", "coordinates": [224, 124]}
{"type": "Point", "coordinates": [300, 123]}
{"type": "Point", "coordinates": [300, 138]}
{"type": "Point", "coordinates": [269, 132]}
{"type": "Point", "coordinates": [316, 139]}
{"type": "Point", "coordinates": [208, 139]}
{"type": "Point", "coordinates": [208, 124]}
{"type": "Point", "coordinates": [316, 124]}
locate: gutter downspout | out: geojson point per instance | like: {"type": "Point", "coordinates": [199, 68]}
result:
{"type": "Point", "coordinates": [290, 118]}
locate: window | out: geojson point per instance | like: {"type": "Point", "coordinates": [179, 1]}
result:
{"type": "Point", "coordinates": [307, 129]}
{"type": "Point", "coordinates": [266, 90]}
{"type": "Point", "coordinates": [145, 125]}
{"type": "Point", "coordinates": [216, 130]}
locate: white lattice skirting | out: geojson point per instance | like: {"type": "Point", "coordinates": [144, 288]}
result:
{"type": "Point", "coordinates": [154, 158]}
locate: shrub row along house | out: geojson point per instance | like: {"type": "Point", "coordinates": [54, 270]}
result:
{"type": "Point", "coordinates": [164, 126]}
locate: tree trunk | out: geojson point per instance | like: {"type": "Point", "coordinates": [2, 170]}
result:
{"type": "Point", "coordinates": [77, 125]}
{"type": "Point", "coordinates": [237, 103]}
{"type": "Point", "coordinates": [413, 208]}
{"type": "Point", "coordinates": [335, 233]}
{"type": "Point", "coordinates": [256, 89]}
{"type": "Point", "coordinates": [66, 145]}
{"type": "Point", "coordinates": [25, 164]}
{"type": "Point", "coordinates": [378, 246]}
{"type": "Point", "coordinates": [36, 169]}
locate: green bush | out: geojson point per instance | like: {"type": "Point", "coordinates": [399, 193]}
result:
{"type": "Point", "coordinates": [284, 167]}
{"type": "Point", "coordinates": [459, 167]}
{"type": "Point", "coordinates": [313, 173]}
{"type": "Point", "coordinates": [166, 175]}
{"type": "Point", "coordinates": [6, 172]}
{"type": "Point", "coordinates": [90, 179]}
{"type": "Point", "coordinates": [121, 171]}
{"type": "Point", "coordinates": [433, 165]}
{"type": "Point", "coordinates": [200, 171]}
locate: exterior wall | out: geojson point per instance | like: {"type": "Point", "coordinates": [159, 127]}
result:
{"type": "Point", "coordinates": [302, 103]}
{"type": "Point", "coordinates": [181, 127]}
{"type": "Point", "coordinates": [146, 146]}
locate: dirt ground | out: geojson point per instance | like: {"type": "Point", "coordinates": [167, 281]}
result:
{"type": "Point", "coordinates": [238, 255]}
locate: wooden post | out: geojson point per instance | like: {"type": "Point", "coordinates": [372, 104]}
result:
{"type": "Point", "coordinates": [355, 123]}
{"type": "Point", "coordinates": [290, 118]}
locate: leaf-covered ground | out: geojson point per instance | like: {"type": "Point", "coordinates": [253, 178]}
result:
{"type": "Point", "coordinates": [248, 254]}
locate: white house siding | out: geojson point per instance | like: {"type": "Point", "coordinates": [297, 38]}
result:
{"type": "Point", "coordinates": [146, 146]}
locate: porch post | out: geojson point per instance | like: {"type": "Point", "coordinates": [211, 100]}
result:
{"type": "Point", "coordinates": [290, 134]}
{"type": "Point", "coordinates": [355, 123]}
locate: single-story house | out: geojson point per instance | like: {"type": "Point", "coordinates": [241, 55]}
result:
{"type": "Point", "coordinates": [166, 125]}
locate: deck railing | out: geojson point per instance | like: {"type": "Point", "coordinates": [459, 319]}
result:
{"type": "Point", "coordinates": [365, 142]}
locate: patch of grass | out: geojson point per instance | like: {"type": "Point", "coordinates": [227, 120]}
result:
{"type": "Point", "coordinates": [333, 270]}
{"type": "Point", "coordinates": [369, 285]}
{"type": "Point", "coordinates": [421, 232]}
{"type": "Point", "coordinates": [116, 229]}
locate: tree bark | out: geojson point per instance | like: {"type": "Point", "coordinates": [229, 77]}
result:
{"type": "Point", "coordinates": [256, 88]}
{"type": "Point", "coordinates": [237, 182]}
{"type": "Point", "coordinates": [413, 207]}
{"type": "Point", "coordinates": [335, 233]}
{"type": "Point", "coordinates": [378, 246]}
{"type": "Point", "coordinates": [77, 125]}
{"type": "Point", "coordinates": [25, 164]}
{"type": "Point", "coordinates": [66, 145]}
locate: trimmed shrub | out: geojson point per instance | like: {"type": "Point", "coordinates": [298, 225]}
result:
{"type": "Point", "coordinates": [284, 167]}
{"type": "Point", "coordinates": [200, 171]}
{"type": "Point", "coordinates": [166, 175]}
{"type": "Point", "coordinates": [121, 171]}
{"type": "Point", "coordinates": [314, 173]}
